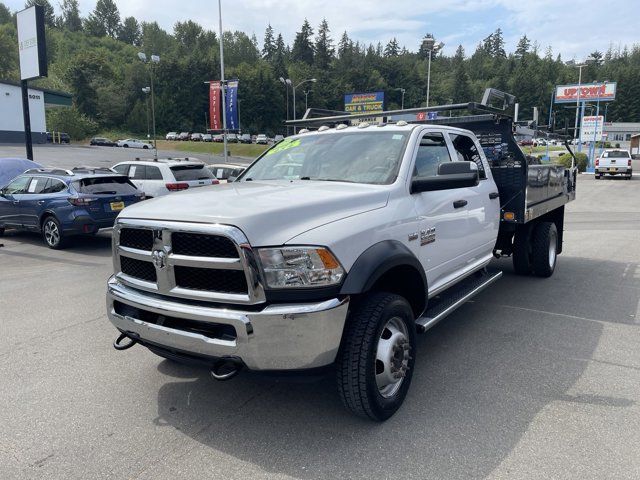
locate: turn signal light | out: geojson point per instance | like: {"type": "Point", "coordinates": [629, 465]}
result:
{"type": "Point", "coordinates": [215, 181]}
{"type": "Point", "coordinates": [80, 201]}
{"type": "Point", "coordinates": [629, 163]}
{"type": "Point", "coordinates": [597, 162]}
{"type": "Point", "coordinates": [176, 187]}
{"type": "Point", "coordinates": [509, 216]}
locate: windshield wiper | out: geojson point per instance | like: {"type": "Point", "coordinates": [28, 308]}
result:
{"type": "Point", "coordinates": [105, 192]}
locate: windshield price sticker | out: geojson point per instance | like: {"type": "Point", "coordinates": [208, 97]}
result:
{"type": "Point", "coordinates": [284, 145]}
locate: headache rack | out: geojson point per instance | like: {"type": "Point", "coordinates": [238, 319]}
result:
{"type": "Point", "coordinates": [528, 187]}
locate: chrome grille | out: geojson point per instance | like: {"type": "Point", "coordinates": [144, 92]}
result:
{"type": "Point", "coordinates": [195, 261]}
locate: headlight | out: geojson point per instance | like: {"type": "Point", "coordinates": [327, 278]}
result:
{"type": "Point", "coordinates": [291, 267]}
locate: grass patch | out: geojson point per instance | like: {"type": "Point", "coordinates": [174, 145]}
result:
{"type": "Point", "coordinates": [235, 149]}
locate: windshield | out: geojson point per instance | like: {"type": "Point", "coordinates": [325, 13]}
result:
{"type": "Point", "coordinates": [356, 157]}
{"type": "Point", "coordinates": [111, 185]}
{"type": "Point", "coordinates": [616, 154]}
{"type": "Point", "coordinates": [185, 173]}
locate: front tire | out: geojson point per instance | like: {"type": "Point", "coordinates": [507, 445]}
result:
{"type": "Point", "coordinates": [377, 356]}
{"type": "Point", "coordinates": [125, 146]}
{"type": "Point", "coordinates": [52, 233]}
{"type": "Point", "coordinates": [544, 249]}
{"type": "Point", "coordinates": [145, 147]}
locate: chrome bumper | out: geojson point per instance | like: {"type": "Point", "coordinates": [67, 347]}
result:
{"type": "Point", "coordinates": [279, 337]}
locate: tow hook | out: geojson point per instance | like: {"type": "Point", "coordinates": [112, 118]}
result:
{"type": "Point", "coordinates": [124, 346]}
{"type": "Point", "coordinates": [225, 369]}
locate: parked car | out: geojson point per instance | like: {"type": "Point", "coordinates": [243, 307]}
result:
{"type": "Point", "coordinates": [278, 138]}
{"type": "Point", "coordinates": [244, 138]}
{"type": "Point", "coordinates": [253, 138]}
{"type": "Point", "coordinates": [11, 167]}
{"type": "Point", "coordinates": [102, 142]}
{"type": "Point", "coordinates": [384, 232]}
{"type": "Point", "coordinates": [614, 161]}
{"type": "Point", "coordinates": [226, 172]}
{"type": "Point", "coordinates": [58, 137]}
{"type": "Point", "coordinates": [183, 136]}
{"type": "Point", "coordinates": [61, 203]}
{"type": "Point", "coordinates": [171, 136]}
{"type": "Point", "coordinates": [133, 143]}
{"type": "Point", "coordinates": [218, 138]}
{"type": "Point", "coordinates": [160, 177]}
{"type": "Point", "coordinates": [525, 142]}
{"type": "Point", "coordinates": [196, 137]}
{"type": "Point", "coordinates": [232, 138]}
{"type": "Point", "coordinates": [262, 139]}
{"type": "Point", "coordinates": [207, 137]}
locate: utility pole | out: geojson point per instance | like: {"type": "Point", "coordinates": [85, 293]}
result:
{"type": "Point", "coordinates": [223, 85]}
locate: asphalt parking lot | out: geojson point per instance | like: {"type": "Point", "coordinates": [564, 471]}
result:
{"type": "Point", "coordinates": [536, 378]}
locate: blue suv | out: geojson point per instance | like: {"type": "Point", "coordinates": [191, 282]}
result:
{"type": "Point", "coordinates": [60, 203]}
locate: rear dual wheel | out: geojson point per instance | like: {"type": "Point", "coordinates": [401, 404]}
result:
{"type": "Point", "coordinates": [535, 252]}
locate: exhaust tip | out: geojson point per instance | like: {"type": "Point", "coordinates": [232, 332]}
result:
{"type": "Point", "coordinates": [225, 369]}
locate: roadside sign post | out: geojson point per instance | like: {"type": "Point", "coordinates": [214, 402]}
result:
{"type": "Point", "coordinates": [33, 60]}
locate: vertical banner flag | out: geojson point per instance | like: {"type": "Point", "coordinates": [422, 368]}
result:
{"type": "Point", "coordinates": [214, 105]}
{"type": "Point", "coordinates": [231, 104]}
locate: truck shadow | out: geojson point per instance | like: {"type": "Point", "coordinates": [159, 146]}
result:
{"type": "Point", "coordinates": [98, 245]}
{"type": "Point", "coordinates": [481, 377]}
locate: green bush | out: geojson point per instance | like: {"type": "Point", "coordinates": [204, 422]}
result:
{"type": "Point", "coordinates": [581, 161]}
{"type": "Point", "coordinates": [71, 121]}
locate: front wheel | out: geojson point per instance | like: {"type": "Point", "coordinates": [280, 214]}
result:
{"type": "Point", "coordinates": [377, 356]}
{"type": "Point", "coordinates": [145, 147]}
{"type": "Point", "coordinates": [126, 146]}
{"type": "Point", "coordinates": [52, 233]}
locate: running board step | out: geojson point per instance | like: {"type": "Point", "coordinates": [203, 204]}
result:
{"type": "Point", "coordinates": [443, 304]}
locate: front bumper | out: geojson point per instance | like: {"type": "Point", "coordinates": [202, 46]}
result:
{"type": "Point", "coordinates": [278, 337]}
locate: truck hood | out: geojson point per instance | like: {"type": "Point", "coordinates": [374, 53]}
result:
{"type": "Point", "coordinates": [269, 213]}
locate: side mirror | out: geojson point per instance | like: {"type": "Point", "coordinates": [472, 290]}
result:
{"type": "Point", "coordinates": [450, 175]}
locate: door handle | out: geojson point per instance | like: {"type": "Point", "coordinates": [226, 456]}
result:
{"type": "Point", "coordinates": [494, 195]}
{"type": "Point", "coordinates": [459, 203]}
{"type": "Point", "coordinates": [40, 202]}
{"type": "Point", "coordinates": [15, 202]}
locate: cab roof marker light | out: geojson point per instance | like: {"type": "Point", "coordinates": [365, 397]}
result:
{"type": "Point", "coordinates": [342, 126]}
{"type": "Point", "coordinates": [402, 123]}
{"type": "Point", "coordinates": [304, 130]}
{"type": "Point", "coordinates": [364, 125]}
{"type": "Point", "coordinates": [323, 128]}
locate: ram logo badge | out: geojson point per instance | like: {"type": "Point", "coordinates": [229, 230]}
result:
{"type": "Point", "coordinates": [428, 236]}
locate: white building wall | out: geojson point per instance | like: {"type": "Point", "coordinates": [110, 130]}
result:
{"type": "Point", "coordinates": [11, 120]}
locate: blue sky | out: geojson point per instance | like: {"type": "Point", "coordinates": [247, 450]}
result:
{"type": "Point", "coordinates": [573, 29]}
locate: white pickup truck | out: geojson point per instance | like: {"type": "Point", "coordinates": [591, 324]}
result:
{"type": "Point", "coordinates": [614, 161]}
{"type": "Point", "coordinates": [335, 248]}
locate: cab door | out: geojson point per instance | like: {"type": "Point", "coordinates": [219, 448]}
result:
{"type": "Point", "coordinates": [442, 215]}
{"type": "Point", "coordinates": [12, 194]}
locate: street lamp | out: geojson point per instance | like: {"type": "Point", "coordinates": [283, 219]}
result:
{"type": "Point", "coordinates": [430, 45]}
{"type": "Point", "coordinates": [286, 82]}
{"type": "Point", "coordinates": [154, 59]}
{"type": "Point", "coordinates": [402, 90]}
{"type": "Point", "coordinates": [293, 87]}
{"type": "Point", "coordinates": [223, 84]}
{"type": "Point", "coordinates": [306, 95]}
{"type": "Point", "coordinates": [146, 91]}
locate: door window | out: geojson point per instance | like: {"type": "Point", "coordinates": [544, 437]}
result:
{"type": "Point", "coordinates": [137, 172]}
{"type": "Point", "coordinates": [54, 186]}
{"type": "Point", "coordinates": [153, 173]}
{"type": "Point", "coordinates": [37, 185]}
{"type": "Point", "coordinates": [121, 169]}
{"type": "Point", "coordinates": [431, 153]}
{"type": "Point", "coordinates": [19, 185]}
{"type": "Point", "coordinates": [467, 151]}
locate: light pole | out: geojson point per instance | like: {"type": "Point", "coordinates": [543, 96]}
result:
{"type": "Point", "coordinates": [286, 82]}
{"type": "Point", "coordinates": [146, 91]}
{"type": "Point", "coordinates": [402, 91]}
{"type": "Point", "coordinates": [154, 59]}
{"type": "Point", "coordinates": [580, 66]}
{"type": "Point", "coordinates": [293, 87]}
{"type": "Point", "coordinates": [430, 44]}
{"type": "Point", "coordinates": [223, 84]}
{"type": "Point", "coordinates": [306, 95]}
{"type": "Point", "coordinates": [595, 130]}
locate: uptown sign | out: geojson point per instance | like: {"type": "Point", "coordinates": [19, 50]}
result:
{"type": "Point", "coordinates": [603, 92]}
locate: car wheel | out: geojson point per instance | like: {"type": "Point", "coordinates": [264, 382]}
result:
{"type": "Point", "coordinates": [144, 147]}
{"type": "Point", "coordinates": [377, 356]}
{"type": "Point", "coordinates": [521, 254]}
{"type": "Point", "coordinates": [52, 233]}
{"type": "Point", "coordinates": [544, 249]}
{"type": "Point", "coordinates": [125, 145]}
{"type": "Point", "coordinates": [597, 177]}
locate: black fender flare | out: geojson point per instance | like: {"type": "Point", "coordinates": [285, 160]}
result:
{"type": "Point", "coordinates": [375, 261]}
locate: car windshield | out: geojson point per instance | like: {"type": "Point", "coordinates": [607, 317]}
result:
{"type": "Point", "coordinates": [185, 173]}
{"type": "Point", "coordinates": [356, 157]}
{"type": "Point", "coordinates": [111, 185]}
{"type": "Point", "coordinates": [616, 154]}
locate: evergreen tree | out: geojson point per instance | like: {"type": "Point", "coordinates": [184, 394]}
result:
{"type": "Point", "coordinates": [345, 45]}
{"type": "Point", "coordinates": [324, 46]}
{"type": "Point", "coordinates": [279, 58]}
{"type": "Point", "coordinates": [104, 20]}
{"type": "Point", "coordinates": [5, 14]}
{"type": "Point", "coordinates": [392, 49]}
{"type": "Point", "coordinates": [130, 32]}
{"type": "Point", "coordinates": [70, 18]}
{"type": "Point", "coordinates": [302, 47]}
{"type": "Point", "coordinates": [49, 14]}
{"type": "Point", "coordinates": [523, 47]}
{"type": "Point", "coordinates": [187, 33]}
{"type": "Point", "coordinates": [497, 44]}
{"type": "Point", "coordinates": [269, 47]}
{"type": "Point", "coordinates": [461, 85]}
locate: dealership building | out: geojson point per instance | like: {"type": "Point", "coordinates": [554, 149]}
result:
{"type": "Point", "coordinates": [11, 119]}
{"type": "Point", "coordinates": [621, 132]}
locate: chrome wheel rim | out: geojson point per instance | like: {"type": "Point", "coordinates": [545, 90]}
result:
{"type": "Point", "coordinates": [392, 357]}
{"type": "Point", "coordinates": [51, 233]}
{"type": "Point", "coordinates": [553, 245]}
